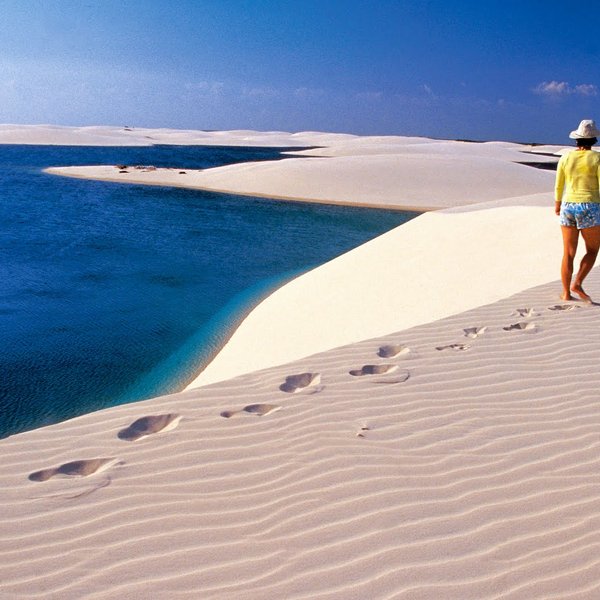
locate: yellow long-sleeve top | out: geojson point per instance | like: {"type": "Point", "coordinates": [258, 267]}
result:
{"type": "Point", "coordinates": [578, 172]}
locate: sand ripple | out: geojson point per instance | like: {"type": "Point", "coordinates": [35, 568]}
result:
{"type": "Point", "coordinates": [477, 478]}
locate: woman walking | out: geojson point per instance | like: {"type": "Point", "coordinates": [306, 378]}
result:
{"type": "Point", "coordinates": [578, 178]}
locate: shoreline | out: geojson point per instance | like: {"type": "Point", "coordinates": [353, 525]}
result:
{"type": "Point", "coordinates": [374, 173]}
{"type": "Point", "coordinates": [320, 322]}
{"type": "Point", "coordinates": [195, 246]}
{"type": "Point", "coordinates": [225, 322]}
{"type": "Point", "coordinates": [60, 171]}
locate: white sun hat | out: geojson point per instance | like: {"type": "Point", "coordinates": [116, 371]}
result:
{"type": "Point", "coordinates": [587, 129]}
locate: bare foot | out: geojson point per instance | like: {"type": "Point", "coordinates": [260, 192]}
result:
{"type": "Point", "coordinates": [566, 296]}
{"type": "Point", "coordinates": [579, 291]}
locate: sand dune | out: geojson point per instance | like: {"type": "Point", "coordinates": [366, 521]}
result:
{"type": "Point", "coordinates": [136, 136]}
{"type": "Point", "coordinates": [476, 477]}
{"type": "Point", "coordinates": [379, 180]}
{"type": "Point", "coordinates": [399, 280]}
{"type": "Point", "coordinates": [385, 171]}
{"type": "Point", "coordinates": [416, 419]}
{"type": "Point", "coordinates": [402, 276]}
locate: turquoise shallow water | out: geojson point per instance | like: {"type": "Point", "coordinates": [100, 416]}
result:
{"type": "Point", "coordinates": [112, 293]}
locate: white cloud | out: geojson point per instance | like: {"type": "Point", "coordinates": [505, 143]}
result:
{"type": "Point", "coordinates": [552, 88]}
{"type": "Point", "coordinates": [563, 88]}
{"type": "Point", "coordinates": [586, 89]}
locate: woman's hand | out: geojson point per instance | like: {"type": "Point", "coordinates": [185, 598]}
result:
{"type": "Point", "coordinates": [557, 207]}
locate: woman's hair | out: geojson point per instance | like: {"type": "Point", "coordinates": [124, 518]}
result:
{"type": "Point", "coordinates": [586, 142]}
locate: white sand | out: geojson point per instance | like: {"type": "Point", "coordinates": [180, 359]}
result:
{"type": "Point", "coordinates": [477, 477]}
{"type": "Point", "coordinates": [425, 270]}
{"type": "Point", "coordinates": [134, 136]}
{"type": "Point", "coordinates": [458, 461]}
{"type": "Point", "coordinates": [413, 173]}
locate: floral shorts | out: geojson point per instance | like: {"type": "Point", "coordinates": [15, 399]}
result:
{"type": "Point", "coordinates": [580, 214]}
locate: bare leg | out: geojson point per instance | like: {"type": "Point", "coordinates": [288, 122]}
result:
{"type": "Point", "coordinates": [591, 236]}
{"type": "Point", "coordinates": [570, 237]}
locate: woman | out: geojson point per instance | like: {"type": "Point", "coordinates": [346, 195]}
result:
{"type": "Point", "coordinates": [579, 172]}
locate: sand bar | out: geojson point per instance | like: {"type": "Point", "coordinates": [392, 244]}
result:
{"type": "Point", "coordinates": [388, 172]}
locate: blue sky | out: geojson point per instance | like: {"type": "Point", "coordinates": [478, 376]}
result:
{"type": "Point", "coordinates": [525, 70]}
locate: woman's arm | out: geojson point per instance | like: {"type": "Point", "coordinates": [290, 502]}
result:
{"type": "Point", "coordinates": [559, 185]}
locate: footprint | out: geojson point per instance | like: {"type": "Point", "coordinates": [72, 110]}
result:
{"type": "Point", "coordinates": [297, 383]}
{"type": "Point", "coordinates": [77, 468]}
{"type": "Point", "coordinates": [374, 370]}
{"type": "Point", "coordinates": [260, 410]}
{"type": "Point", "coordinates": [148, 425]}
{"type": "Point", "coordinates": [393, 351]}
{"type": "Point", "coordinates": [526, 313]}
{"type": "Point", "coordinates": [530, 327]}
{"type": "Point", "coordinates": [453, 347]}
{"type": "Point", "coordinates": [474, 332]}
{"type": "Point", "coordinates": [564, 307]}
{"type": "Point", "coordinates": [363, 429]}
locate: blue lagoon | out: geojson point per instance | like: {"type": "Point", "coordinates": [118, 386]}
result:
{"type": "Point", "coordinates": [114, 293]}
